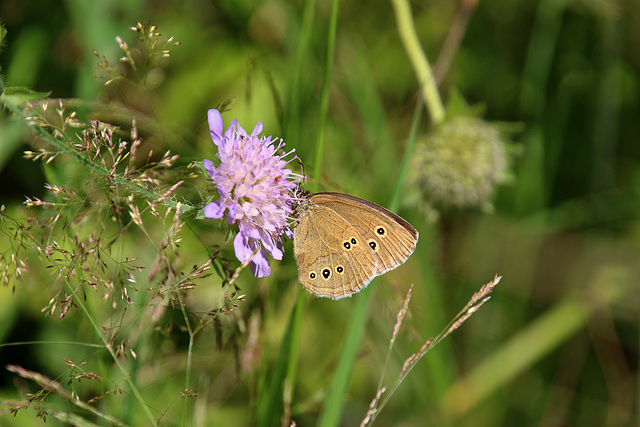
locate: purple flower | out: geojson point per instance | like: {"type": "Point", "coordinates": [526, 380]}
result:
{"type": "Point", "coordinates": [256, 191]}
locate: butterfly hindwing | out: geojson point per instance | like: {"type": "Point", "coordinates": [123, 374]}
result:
{"type": "Point", "coordinates": [330, 263]}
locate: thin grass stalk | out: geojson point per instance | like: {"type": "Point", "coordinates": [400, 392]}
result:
{"type": "Point", "coordinates": [399, 319]}
{"type": "Point", "coordinates": [379, 401]}
{"type": "Point", "coordinates": [92, 165]}
{"type": "Point", "coordinates": [426, 80]}
{"type": "Point", "coordinates": [271, 401]}
{"type": "Point", "coordinates": [303, 49]}
{"type": "Point", "coordinates": [332, 410]}
{"type": "Point", "coordinates": [273, 396]}
{"type": "Point", "coordinates": [52, 386]}
{"type": "Point", "coordinates": [452, 43]}
{"type": "Point", "coordinates": [292, 128]}
{"type": "Point", "coordinates": [469, 309]}
{"type": "Point", "coordinates": [295, 325]}
{"type": "Point", "coordinates": [394, 204]}
{"type": "Point", "coordinates": [326, 84]}
{"type": "Point", "coordinates": [125, 374]}
{"type": "Point", "coordinates": [187, 375]}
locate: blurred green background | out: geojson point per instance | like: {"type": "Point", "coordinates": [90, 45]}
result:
{"type": "Point", "coordinates": [558, 343]}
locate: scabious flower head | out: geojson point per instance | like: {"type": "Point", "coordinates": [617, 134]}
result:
{"type": "Point", "coordinates": [256, 191]}
{"type": "Point", "coordinates": [460, 164]}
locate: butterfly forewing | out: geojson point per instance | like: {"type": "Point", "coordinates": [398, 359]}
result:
{"type": "Point", "coordinates": [389, 236]}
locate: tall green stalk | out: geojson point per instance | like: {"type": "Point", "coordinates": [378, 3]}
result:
{"type": "Point", "coordinates": [280, 384]}
{"type": "Point", "coordinates": [419, 61]}
{"type": "Point", "coordinates": [326, 84]}
{"type": "Point", "coordinates": [334, 403]}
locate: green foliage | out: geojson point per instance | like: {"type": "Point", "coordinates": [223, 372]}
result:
{"type": "Point", "coordinates": [22, 95]}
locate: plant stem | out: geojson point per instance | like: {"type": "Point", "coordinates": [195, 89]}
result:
{"type": "Point", "coordinates": [326, 84]}
{"type": "Point", "coordinates": [127, 377]}
{"type": "Point", "coordinates": [418, 59]}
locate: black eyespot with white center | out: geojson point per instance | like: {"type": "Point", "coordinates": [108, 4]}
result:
{"type": "Point", "coordinates": [312, 275]}
{"type": "Point", "coordinates": [348, 244]}
{"type": "Point", "coordinates": [326, 273]}
{"type": "Point", "coordinates": [381, 230]}
{"type": "Point", "coordinates": [373, 244]}
{"type": "Point", "coordinates": [339, 269]}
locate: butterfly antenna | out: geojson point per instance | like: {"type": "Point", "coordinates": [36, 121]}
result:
{"type": "Point", "coordinates": [299, 191]}
{"type": "Point", "coordinates": [304, 176]}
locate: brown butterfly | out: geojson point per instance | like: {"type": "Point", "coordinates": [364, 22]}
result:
{"type": "Point", "coordinates": [342, 242]}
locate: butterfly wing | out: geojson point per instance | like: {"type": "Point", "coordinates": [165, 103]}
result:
{"type": "Point", "coordinates": [333, 258]}
{"type": "Point", "coordinates": [388, 236]}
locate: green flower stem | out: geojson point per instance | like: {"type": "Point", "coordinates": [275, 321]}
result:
{"type": "Point", "coordinates": [94, 166]}
{"type": "Point", "coordinates": [418, 59]}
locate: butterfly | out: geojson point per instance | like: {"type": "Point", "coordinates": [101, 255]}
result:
{"type": "Point", "coordinates": [342, 242]}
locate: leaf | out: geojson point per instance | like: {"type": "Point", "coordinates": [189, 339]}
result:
{"type": "Point", "coordinates": [18, 95]}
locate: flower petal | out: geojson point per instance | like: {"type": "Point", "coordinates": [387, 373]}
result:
{"type": "Point", "coordinates": [233, 209]}
{"type": "Point", "coordinates": [214, 210]}
{"type": "Point", "coordinates": [241, 247]}
{"type": "Point", "coordinates": [215, 125]}
{"type": "Point", "coordinates": [277, 252]}
{"type": "Point", "coordinates": [289, 233]}
{"type": "Point", "coordinates": [228, 134]}
{"type": "Point", "coordinates": [260, 265]}
{"type": "Point", "coordinates": [257, 129]}
{"type": "Point", "coordinates": [208, 166]}
{"type": "Point", "coordinates": [271, 246]}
